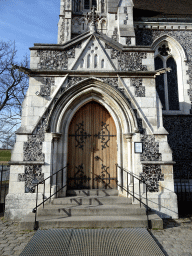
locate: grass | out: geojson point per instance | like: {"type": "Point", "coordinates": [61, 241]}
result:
{"type": "Point", "coordinates": [5, 155]}
{"type": "Point", "coordinates": [4, 182]}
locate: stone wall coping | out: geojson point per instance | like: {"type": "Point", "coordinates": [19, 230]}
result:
{"type": "Point", "coordinates": [176, 113]}
{"type": "Point", "coordinates": [158, 162]}
{"type": "Point", "coordinates": [92, 73]}
{"type": "Point", "coordinates": [61, 48]}
{"type": "Point", "coordinates": [26, 163]}
{"type": "Point", "coordinates": [84, 36]}
{"type": "Point", "coordinates": [164, 25]}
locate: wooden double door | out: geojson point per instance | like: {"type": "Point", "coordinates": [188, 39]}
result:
{"type": "Point", "coordinates": [92, 149]}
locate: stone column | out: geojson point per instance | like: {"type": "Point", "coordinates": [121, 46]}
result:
{"type": "Point", "coordinates": [64, 25]}
{"type": "Point", "coordinates": [56, 137]}
{"type": "Point", "coordinates": [126, 26]}
{"type": "Point", "coordinates": [130, 161]}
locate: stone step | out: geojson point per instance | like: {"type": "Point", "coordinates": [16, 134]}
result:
{"type": "Point", "coordinates": [92, 200]}
{"type": "Point", "coordinates": [91, 209]}
{"type": "Point", "coordinates": [82, 210]}
{"type": "Point", "coordinates": [93, 192]}
{"type": "Point", "coordinates": [136, 221]}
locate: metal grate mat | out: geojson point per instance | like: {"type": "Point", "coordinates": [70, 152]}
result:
{"type": "Point", "coordinates": [92, 242]}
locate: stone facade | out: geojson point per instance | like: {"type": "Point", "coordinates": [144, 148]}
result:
{"type": "Point", "coordinates": [107, 57]}
{"type": "Point", "coordinates": [180, 127]}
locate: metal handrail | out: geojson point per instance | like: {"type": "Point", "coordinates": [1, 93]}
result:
{"type": "Point", "coordinates": [36, 187]}
{"type": "Point", "coordinates": [127, 190]}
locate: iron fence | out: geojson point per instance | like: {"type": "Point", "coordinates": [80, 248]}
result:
{"type": "Point", "coordinates": [183, 189]}
{"type": "Point", "coordinates": [4, 185]}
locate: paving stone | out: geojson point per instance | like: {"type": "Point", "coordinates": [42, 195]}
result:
{"type": "Point", "coordinates": [10, 248]}
{"type": "Point", "coordinates": [8, 253]}
{"type": "Point", "coordinates": [17, 248]}
{"type": "Point", "coordinates": [175, 238]}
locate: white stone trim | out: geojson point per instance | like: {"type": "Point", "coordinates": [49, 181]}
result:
{"type": "Point", "coordinates": [163, 25]}
{"type": "Point", "coordinates": [118, 108]}
{"type": "Point", "coordinates": [180, 57]}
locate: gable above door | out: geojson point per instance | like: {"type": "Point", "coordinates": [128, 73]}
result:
{"type": "Point", "coordinates": [94, 56]}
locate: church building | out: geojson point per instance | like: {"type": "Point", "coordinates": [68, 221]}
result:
{"type": "Point", "coordinates": [114, 94]}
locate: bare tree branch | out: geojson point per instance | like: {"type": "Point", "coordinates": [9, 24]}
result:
{"type": "Point", "coordinates": [13, 86]}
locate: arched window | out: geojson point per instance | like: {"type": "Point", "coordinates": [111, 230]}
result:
{"type": "Point", "coordinates": [102, 63]}
{"type": "Point", "coordinates": [95, 61]}
{"type": "Point", "coordinates": [76, 5]}
{"type": "Point", "coordinates": [82, 63]}
{"type": "Point", "coordinates": [86, 4]}
{"type": "Point", "coordinates": [88, 61]}
{"type": "Point", "coordinates": [167, 84]}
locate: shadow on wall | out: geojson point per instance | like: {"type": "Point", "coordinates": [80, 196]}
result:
{"type": "Point", "coordinates": [180, 141]}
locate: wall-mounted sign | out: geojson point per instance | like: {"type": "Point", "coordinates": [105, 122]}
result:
{"type": "Point", "coordinates": [138, 147]}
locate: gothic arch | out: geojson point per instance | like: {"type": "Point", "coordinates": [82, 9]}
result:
{"type": "Point", "coordinates": [179, 55]}
{"type": "Point", "coordinates": [83, 23]}
{"type": "Point", "coordinates": [104, 94]}
{"type": "Point", "coordinates": [174, 43]}
{"type": "Point", "coordinates": [101, 24]}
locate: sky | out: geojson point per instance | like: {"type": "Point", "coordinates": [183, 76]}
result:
{"type": "Point", "coordinates": [27, 22]}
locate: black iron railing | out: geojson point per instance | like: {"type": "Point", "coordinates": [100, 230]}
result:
{"type": "Point", "coordinates": [53, 180]}
{"type": "Point", "coordinates": [4, 186]}
{"type": "Point", "coordinates": [183, 189]}
{"type": "Point", "coordinates": [127, 184]}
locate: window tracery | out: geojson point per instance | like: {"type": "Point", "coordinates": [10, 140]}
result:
{"type": "Point", "coordinates": [76, 5]}
{"type": "Point", "coordinates": [79, 5]}
{"type": "Point", "coordinates": [86, 4]}
{"type": "Point", "coordinates": [167, 84]}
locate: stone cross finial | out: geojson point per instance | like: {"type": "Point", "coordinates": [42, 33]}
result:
{"type": "Point", "coordinates": [93, 14]}
{"type": "Point", "coordinates": [93, 17]}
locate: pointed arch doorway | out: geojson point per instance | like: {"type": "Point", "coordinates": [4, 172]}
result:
{"type": "Point", "coordinates": [92, 149]}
